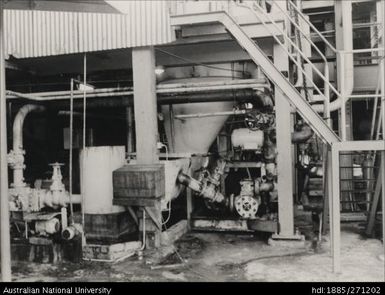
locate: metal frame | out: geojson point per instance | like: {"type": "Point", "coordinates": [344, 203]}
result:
{"type": "Point", "coordinates": [334, 190]}
{"type": "Point", "coordinates": [258, 56]}
{"type": "Point", "coordinates": [5, 239]}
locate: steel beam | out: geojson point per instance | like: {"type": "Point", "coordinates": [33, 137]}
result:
{"type": "Point", "coordinates": [360, 145]}
{"type": "Point", "coordinates": [5, 240]}
{"type": "Point", "coordinates": [284, 157]}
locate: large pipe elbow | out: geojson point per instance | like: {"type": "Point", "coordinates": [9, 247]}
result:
{"type": "Point", "coordinates": [335, 104]}
{"type": "Point", "coordinates": [16, 158]}
{"type": "Point", "coordinates": [19, 122]}
{"type": "Point", "coordinates": [265, 99]}
{"type": "Point", "coordinates": [302, 135]}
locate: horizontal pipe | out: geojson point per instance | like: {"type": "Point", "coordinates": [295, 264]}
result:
{"type": "Point", "coordinates": [364, 50]}
{"type": "Point", "coordinates": [242, 95]}
{"type": "Point", "coordinates": [126, 93]}
{"type": "Point", "coordinates": [213, 114]}
{"type": "Point", "coordinates": [365, 96]}
{"type": "Point", "coordinates": [75, 199]}
{"type": "Point", "coordinates": [160, 89]}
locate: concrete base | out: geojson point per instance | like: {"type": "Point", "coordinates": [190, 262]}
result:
{"type": "Point", "coordinates": [110, 253]}
{"type": "Point", "coordinates": [156, 256]}
{"type": "Point", "coordinates": [220, 225]}
{"type": "Point", "coordinates": [168, 238]}
{"type": "Point", "coordinates": [172, 234]}
{"type": "Point", "coordinates": [295, 241]}
{"type": "Point", "coordinates": [295, 237]}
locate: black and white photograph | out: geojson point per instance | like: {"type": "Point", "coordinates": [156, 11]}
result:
{"type": "Point", "coordinates": [192, 141]}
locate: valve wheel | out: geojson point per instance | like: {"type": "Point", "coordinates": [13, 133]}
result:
{"type": "Point", "coordinates": [246, 206]}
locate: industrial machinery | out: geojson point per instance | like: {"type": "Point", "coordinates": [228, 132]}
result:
{"type": "Point", "coordinates": [238, 188]}
{"type": "Point", "coordinates": [39, 213]}
{"type": "Point", "coordinates": [227, 130]}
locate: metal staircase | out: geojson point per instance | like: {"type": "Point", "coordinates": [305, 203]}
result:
{"type": "Point", "coordinates": [308, 106]}
{"type": "Point", "coordinates": [270, 70]}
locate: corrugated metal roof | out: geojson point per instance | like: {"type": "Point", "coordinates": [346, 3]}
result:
{"type": "Point", "coordinates": [31, 33]}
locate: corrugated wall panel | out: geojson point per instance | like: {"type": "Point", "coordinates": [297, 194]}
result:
{"type": "Point", "coordinates": [43, 33]}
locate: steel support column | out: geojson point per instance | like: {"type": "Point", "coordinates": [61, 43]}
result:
{"type": "Point", "coordinates": [4, 206]}
{"type": "Point", "coordinates": [382, 69]}
{"type": "Point", "coordinates": [145, 106]}
{"type": "Point", "coordinates": [284, 157]}
{"type": "Point", "coordinates": [335, 221]}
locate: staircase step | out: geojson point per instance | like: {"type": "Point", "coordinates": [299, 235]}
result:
{"type": "Point", "coordinates": [316, 193]}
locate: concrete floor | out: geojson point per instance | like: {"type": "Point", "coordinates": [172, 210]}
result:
{"type": "Point", "coordinates": [229, 257]}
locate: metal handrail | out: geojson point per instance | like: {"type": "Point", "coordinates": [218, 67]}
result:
{"type": "Point", "coordinates": [284, 48]}
{"type": "Point", "coordinates": [299, 51]}
{"type": "Point", "coordinates": [326, 65]}
{"type": "Point", "coordinates": [325, 78]}
{"type": "Point", "coordinates": [312, 26]}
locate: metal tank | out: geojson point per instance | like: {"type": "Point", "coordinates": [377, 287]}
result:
{"type": "Point", "coordinates": [196, 135]}
{"type": "Point", "coordinates": [103, 220]}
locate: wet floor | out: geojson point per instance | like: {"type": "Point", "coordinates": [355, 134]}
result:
{"type": "Point", "coordinates": [228, 257]}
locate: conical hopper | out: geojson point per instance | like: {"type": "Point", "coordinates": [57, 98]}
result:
{"type": "Point", "coordinates": [194, 135]}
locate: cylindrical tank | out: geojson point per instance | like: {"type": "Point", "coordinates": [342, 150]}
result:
{"type": "Point", "coordinates": [99, 163]}
{"type": "Point", "coordinates": [247, 139]}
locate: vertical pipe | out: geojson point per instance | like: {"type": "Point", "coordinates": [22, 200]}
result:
{"type": "Point", "coordinates": [368, 174]}
{"type": "Point", "coordinates": [326, 181]}
{"type": "Point", "coordinates": [343, 97]}
{"type": "Point", "coordinates": [70, 147]}
{"type": "Point", "coordinates": [330, 197]}
{"type": "Point", "coordinates": [130, 130]}
{"type": "Point", "coordinates": [383, 197]}
{"type": "Point", "coordinates": [5, 240]}
{"type": "Point", "coordinates": [327, 96]}
{"type": "Point", "coordinates": [382, 73]}
{"type": "Point", "coordinates": [172, 128]}
{"type": "Point", "coordinates": [335, 211]}
{"type": "Point", "coordinates": [375, 107]}
{"type": "Point", "coordinates": [84, 141]}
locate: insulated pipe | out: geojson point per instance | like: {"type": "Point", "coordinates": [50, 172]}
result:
{"type": "Point", "coordinates": [17, 152]}
{"type": "Point", "coordinates": [71, 231]}
{"type": "Point", "coordinates": [164, 89]}
{"type": "Point", "coordinates": [345, 67]}
{"type": "Point", "coordinates": [19, 122]}
{"type": "Point", "coordinates": [197, 186]}
{"type": "Point", "coordinates": [346, 71]}
{"type": "Point", "coordinates": [125, 101]}
{"type": "Point", "coordinates": [302, 135]}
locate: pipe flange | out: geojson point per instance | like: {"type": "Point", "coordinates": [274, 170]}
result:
{"type": "Point", "coordinates": [246, 206]}
{"type": "Point", "coordinates": [16, 159]}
